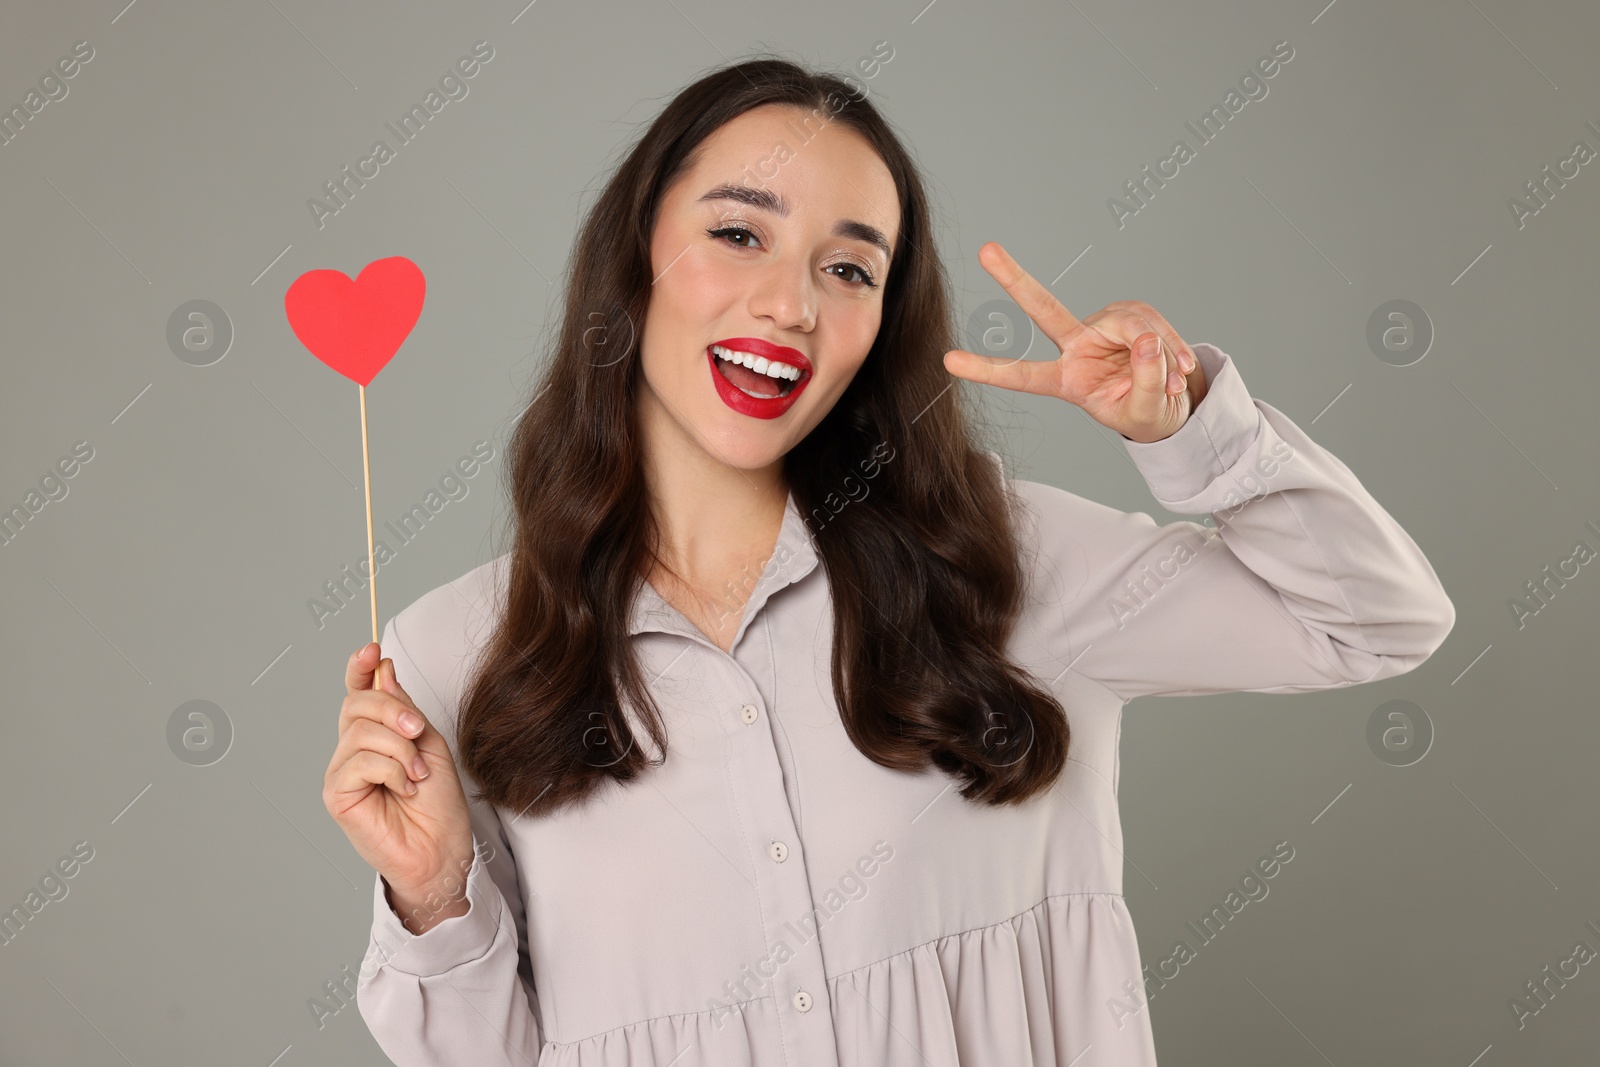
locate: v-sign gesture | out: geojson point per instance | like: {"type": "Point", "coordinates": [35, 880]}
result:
{"type": "Point", "coordinates": [1145, 397]}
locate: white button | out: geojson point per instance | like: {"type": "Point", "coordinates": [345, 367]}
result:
{"type": "Point", "coordinates": [779, 851]}
{"type": "Point", "coordinates": [748, 714]}
{"type": "Point", "coordinates": [802, 1001]}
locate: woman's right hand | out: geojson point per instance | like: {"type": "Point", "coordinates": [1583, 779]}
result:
{"type": "Point", "coordinates": [393, 789]}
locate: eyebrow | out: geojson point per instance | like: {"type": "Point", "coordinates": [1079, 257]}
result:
{"type": "Point", "coordinates": [767, 200]}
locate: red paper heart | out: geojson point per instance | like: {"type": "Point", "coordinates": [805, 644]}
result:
{"type": "Point", "coordinates": [357, 326]}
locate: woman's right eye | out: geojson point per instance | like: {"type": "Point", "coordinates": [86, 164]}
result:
{"type": "Point", "coordinates": [729, 232]}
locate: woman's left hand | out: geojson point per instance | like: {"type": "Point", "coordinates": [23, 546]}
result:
{"type": "Point", "coordinates": [1144, 399]}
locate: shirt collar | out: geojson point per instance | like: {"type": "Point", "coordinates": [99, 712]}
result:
{"type": "Point", "coordinates": [793, 557]}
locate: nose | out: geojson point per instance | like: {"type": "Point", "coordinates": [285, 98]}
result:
{"type": "Point", "coordinates": [786, 294]}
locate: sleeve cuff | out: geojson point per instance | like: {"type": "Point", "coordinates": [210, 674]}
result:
{"type": "Point", "coordinates": [457, 940]}
{"type": "Point", "coordinates": [1189, 471]}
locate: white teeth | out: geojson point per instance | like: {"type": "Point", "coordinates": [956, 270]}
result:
{"type": "Point", "coordinates": [759, 364]}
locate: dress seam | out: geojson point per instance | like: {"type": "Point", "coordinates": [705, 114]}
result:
{"type": "Point", "coordinates": [977, 929]}
{"type": "Point", "coordinates": [1092, 769]}
{"type": "Point", "coordinates": [1068, 628]}
{"type": "Point", "coordinates": [772, 712]}
{"type": "Point", "coordinates": [843, 974]}
{"type": "Point", "coordinates": [657, 1018]}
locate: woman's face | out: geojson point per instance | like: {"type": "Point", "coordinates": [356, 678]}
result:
{"type": "Point", "coordinates": [769, 245]}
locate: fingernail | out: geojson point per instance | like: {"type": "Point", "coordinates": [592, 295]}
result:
{"type": "Point", "coordinates": [419, 768]}
{"type": "Point", "coordinates": [1174, 383]}
{"type": "Point", "coordinates": [409, 722]}
{"type": "Point", "coordinates": [411, 789]}
{"type": "Point", "coordinates": [1152, 348]}
{"type": "Point", "coordinates": [1187, 360]}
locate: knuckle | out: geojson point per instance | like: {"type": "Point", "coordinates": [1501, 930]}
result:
{"type": "Point", "coordinates": [370, 734]}
{"type": "Point", "coordinates": [355, 735]}
{"type": "Point", "coordinates": [398, 775]}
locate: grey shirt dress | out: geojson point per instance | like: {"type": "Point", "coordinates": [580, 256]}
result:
{"type": "Point", "coordinates": [769, 897]}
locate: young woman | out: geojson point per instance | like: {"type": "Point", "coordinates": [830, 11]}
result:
{"type": "Point", "coordinates": [786, 732]}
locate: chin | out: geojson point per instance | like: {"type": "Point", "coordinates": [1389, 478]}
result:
{"type": "Point", "coordinates": [737, 450]}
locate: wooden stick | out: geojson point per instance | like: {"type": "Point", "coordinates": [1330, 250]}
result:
{"type": "Point", "coordinates": [372, 571]}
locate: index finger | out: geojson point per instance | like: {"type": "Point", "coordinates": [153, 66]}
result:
{"type": "Point", "coordinates": [1037, 302]}
{"type": "Point", "coordinates": [385, 703]}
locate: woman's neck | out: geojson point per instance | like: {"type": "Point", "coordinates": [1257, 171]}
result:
{"type": "Point", "coordinates": [718, 528]}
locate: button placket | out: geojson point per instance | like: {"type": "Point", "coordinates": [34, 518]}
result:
{"type": "Point", "coordinates": [783, 888]}
{"type": "Point", "coordinates": [759, 792]}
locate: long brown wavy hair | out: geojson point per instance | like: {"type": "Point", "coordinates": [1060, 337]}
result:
{"type": "Point", "coordinates": [924, 571]}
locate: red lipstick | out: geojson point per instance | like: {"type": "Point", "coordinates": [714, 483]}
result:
{"type": "Point", "coordinates": [743, 402]}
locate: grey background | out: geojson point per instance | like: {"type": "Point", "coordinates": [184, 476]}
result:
{"type": "Point", "coordinates": [1379, 167]}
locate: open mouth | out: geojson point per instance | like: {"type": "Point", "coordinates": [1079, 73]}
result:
{"type": "Point", "coordinates": [756, 381]}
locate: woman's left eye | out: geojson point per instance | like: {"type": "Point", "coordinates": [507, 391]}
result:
{"type": "Point", "coordinates": [866, 276]}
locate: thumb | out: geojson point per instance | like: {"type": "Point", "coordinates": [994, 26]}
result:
{"type": "Point", "coordinates": [1148, 397]}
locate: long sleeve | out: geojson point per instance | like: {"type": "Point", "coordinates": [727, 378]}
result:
{"type": "Point", "coordinates": [463, 992]}
{"type": "Point", "coordinates": [1303, 583]}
